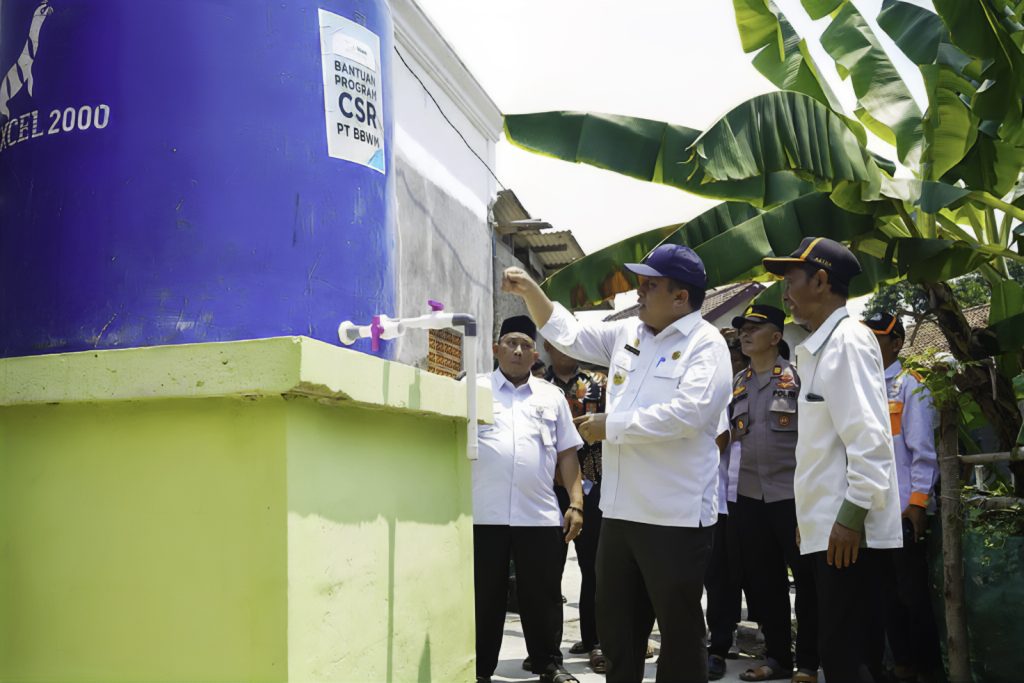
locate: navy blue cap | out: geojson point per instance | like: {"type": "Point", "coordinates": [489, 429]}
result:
{"type": "Point", "coordinates": [822, 252]}
{"type": "Point", "coordinates": [672, 261]}
{"type": "Point", "coordinates": [885, 323]}
{"type": "Point", "coordinates": [759, 313]}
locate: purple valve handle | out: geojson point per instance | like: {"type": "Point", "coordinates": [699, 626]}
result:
{"type": "Point", "coordinates": [375, 331]}
{"type": "Point", "coordinates": [435, 306]}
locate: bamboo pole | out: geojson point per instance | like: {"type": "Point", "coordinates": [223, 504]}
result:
{"type": "Point", "coordinates": [952, 549]}
{"type": "Point", "coordinates": [1004, 456]}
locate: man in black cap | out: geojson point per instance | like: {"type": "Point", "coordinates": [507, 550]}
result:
{"type": "Point", "coordinates": [847, 500]}
{"type": "Point", "coordinates": [667, 392]}
{"type": "Point", "coordinates": [910, 627]}
{"type": "Point", "coordinates": [515, 512]}
{"type": "Point", "coordinates": [763, 417]}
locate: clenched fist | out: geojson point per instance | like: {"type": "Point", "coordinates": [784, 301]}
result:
{"type": "Point", "coordinates": [516, 281]}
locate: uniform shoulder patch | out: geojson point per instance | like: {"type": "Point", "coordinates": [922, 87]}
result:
{"type": "Point", "coordinates": [916, 375]}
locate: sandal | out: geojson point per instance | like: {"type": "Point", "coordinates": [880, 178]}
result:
{"type": "Point", "coordinates": [558, 675]}
{"type": "Point", "coordinates": [769, 671]}
{"type": "Point", "coordinates": [597, 661]}
{"type": "Point", "coordinates": [804, 676]}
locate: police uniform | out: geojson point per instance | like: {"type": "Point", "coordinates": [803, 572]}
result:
{"type": "Point", "coordinates": [764, 421]}
{"type": "Point", "coordinates": [516, 516]}
{"type": "Point", "coordinates": [666, 395]}
{"type": "Point", "coordinates": [585, 393]}
{"type": "Point", "coordinates": [910, 625]}
{"type": "Point", "coordinates": [845, 469]}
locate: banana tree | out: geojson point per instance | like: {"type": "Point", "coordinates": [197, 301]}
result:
{"type": "Point", "coordinates": [793, 163]}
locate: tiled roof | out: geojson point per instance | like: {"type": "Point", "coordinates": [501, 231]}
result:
{"type": "Point", "coordinates": [717, 300]}
{"type": "Point", "coordinates": [928, 335]}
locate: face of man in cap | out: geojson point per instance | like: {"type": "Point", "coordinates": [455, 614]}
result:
{"type": "Point", "coordinates": [661, 304]}
{"type": "Point", "coordinates": [804, 293]}
{"type": "Point", "coordinates": [890, 345]}
{"type": "Point", "coordinates": [516, 353]}
{"type": "Point", "coordinates": [757, 338]}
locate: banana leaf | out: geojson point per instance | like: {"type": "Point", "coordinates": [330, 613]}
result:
{"type": "Point", "coordinates": [885, 105]}
{"type": "Point", "coordinates": [935, 260]}
{"type": "Point", "coordinates": [783, 132]}
{"type": "Point", "coordinates": [730, 238]}
{"type": "Point", "coordinates": [950, 127]}
{"type": "Point", "coordinates": [782, 57]}
{"type": "Point", "coordinates": [648, 150]}
{"type": "Point", "coordinates": [916, 31]}
{"type": "Point", "coordinates": [993, 165]}
{"type": "Point", "coordinates": [976, 29]}
{"type": "Point", "coordinates": [819, 8]}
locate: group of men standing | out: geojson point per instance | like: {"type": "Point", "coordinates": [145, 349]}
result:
{"type": "Point", "coordinates": [817, 487]}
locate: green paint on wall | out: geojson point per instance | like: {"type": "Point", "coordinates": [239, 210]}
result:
{"type": "Point", "coordinates": [143, 541]}
{"type": "Point", "coordinates": [318, 529]}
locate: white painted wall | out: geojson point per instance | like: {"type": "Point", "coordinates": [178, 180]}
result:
{"type": "Point", "coordinates": [443, 189]}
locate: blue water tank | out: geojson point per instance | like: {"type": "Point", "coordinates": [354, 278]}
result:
{"type": "Point", "coordinates": [176, 171]}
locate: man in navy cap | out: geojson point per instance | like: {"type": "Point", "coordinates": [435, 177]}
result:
{"type": "Point", "coordinates": [847, 500]}
{"type": "Point", "coordinates": [515, 512]}
{"type": "Point", "coordinates": [669, 376]}
{"type": "Point", "coordinates": [763, 416]}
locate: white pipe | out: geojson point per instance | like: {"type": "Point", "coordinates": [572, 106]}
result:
{"type": "Point", "coordinates": [472, 445]}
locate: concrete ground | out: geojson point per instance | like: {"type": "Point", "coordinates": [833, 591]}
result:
{"type": "Point", "coordinates": [513, 647]}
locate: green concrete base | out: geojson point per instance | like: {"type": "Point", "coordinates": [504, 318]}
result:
{"type": "Point", "coordinates": [270, 510]}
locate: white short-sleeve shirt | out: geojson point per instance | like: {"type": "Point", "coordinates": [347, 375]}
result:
{"type": "Point", "coordinates": [513, 481]}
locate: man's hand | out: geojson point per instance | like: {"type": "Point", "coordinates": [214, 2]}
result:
{"type": "Point", "coordinates": [573, 524]}
{"type": "Point", "coordinates": [591, 426]}
{"type": "Point", "coordinates": [916, 515]}
{"type": "Point", "coordinates": [798, 538]}
{"type": "Point", "coordinates": [843, 546]}
{"type": "Point", "coordinates": [516, 281]}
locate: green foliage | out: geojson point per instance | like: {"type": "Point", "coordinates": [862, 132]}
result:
{"type": "Point", "coordinates": [969, 290]}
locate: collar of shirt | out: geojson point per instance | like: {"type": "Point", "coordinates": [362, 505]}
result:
{"type": "Point", "coordinates": [501, 383]}
{"type": "Point", "coordinates": [684, 325]}
{"type": "Point", "coordinates": [814, 343]}
{"type": "Point", "coordinates": [894, 369]}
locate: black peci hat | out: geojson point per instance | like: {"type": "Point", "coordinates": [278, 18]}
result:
{"type": "Point", "coordinates": [518, 323]}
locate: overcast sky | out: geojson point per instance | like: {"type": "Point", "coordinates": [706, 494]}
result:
{"type": "Point", "coordinates": [672, 60]}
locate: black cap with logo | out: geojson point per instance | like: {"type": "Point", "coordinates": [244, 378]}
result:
{"type": "Point", "coordinates": [822, 252]}
{"type": "Point", "coordinates": [885, 323]}
{"type": "Point", "coordinates": [759, 313]}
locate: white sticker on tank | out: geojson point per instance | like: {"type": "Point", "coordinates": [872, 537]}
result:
{"type": "Point", "coordinates": [353, 91]}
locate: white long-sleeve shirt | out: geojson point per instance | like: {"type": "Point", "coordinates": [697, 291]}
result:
{"type": "Point", "coordinates": [844, 451]}
{"type": "Point", "coordinates": [513, 481]}
{"type": "Point", "coordinates": [664, 404]}
{"type": "Point", "coordinates": [913, 435]}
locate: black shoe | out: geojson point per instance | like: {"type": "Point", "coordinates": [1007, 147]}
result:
{"type": "Point", "coordinates": [483, 679]}
{"type": "Point", "coordinates": [528, 665]}
{"type": "Point", "coordinates": [716, 667]}
{"type": "Point", "coordinates": [581, 648]}
{"type": "Point", "coordinates": [558, 674]}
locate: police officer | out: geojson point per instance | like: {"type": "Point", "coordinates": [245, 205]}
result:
{"type": "Point", "coordinates": [847, 500]}
{"type": "Point", "coordinates": [668, 389]}
{"type": "Point", "coordinates": [910, 625]}
{"type": "Point", "coordinates": [763, 416]}
{"type": "Point", "coordinates": [515, 512]}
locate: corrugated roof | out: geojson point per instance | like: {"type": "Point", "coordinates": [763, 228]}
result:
{"type": "Point", "coordinates": [928, 335]}
{"type": "Point", "coordinates": [553, 248]}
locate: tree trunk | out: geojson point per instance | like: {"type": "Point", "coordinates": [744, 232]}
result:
{"type": "Point", "coordinates": [1000, 406]}
{"type": "Point", "coordinates": [952, 548]}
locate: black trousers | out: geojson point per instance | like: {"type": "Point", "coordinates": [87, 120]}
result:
{"type": "Point", "coordinates": [850, 617]}
{"type": "Point", "coordinates": [909, 621]}
{"type": "Point", "coordinates": [645, 571]}
{"type": "Point", "coordinates": [536, 552]}
{"type": "Point", "coordinates": [586, 556]}
{"type": "Point", "coordinates": [767, 537]}
{"type": "Point", "coordinates": [722, 582]}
